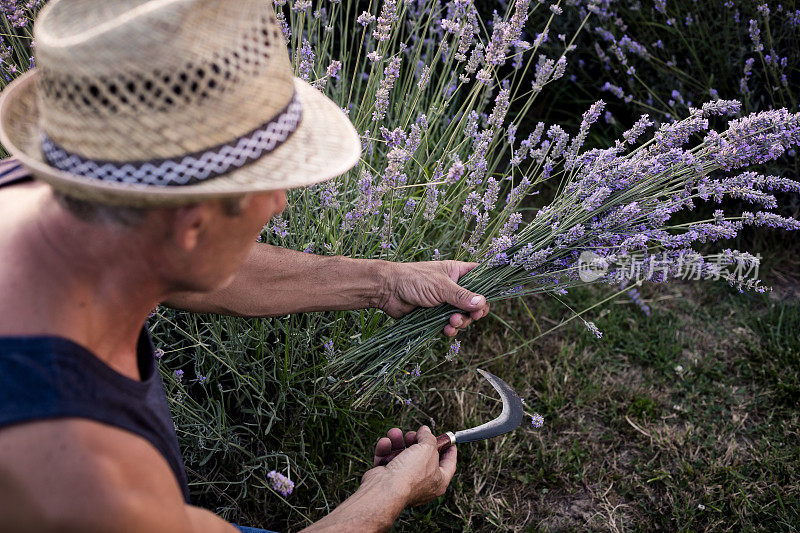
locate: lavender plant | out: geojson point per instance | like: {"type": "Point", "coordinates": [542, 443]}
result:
{"type": "Point", "coordinates": [617, 205]}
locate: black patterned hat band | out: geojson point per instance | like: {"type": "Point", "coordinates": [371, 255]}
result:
{"type": "Point", "coordinates": [190, 168]}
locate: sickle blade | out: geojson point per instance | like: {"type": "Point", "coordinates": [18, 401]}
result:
{"type": "Point", "coordinates": [509, 419]}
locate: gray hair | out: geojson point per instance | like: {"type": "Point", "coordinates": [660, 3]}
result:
{"type": "Point", "coordinates": [125, 216]}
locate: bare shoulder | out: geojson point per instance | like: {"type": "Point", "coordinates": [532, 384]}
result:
{"type": "Point", "coordinates": [81, 475]}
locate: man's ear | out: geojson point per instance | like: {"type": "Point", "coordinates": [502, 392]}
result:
{"type": "Point", "coordinates": [188, 224]}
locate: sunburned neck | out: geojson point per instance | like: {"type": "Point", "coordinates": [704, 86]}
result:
{"type": "Point", "coordinates": [84, 282]}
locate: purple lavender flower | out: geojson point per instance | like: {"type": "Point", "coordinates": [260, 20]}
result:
{"type": "Point", "coordinates": [179, 375]}
{"type": "Point", "coordinates": [472, 204]}
{"type": "Point", "coordinates": [518, 192]}
{"type": "Point", "coordinates": [541, 38]}
{"type": "Point", "coordinates": [498, 245]}
{"type": "Point", "coordinates": [424, 78]}
{"type": "Point", "coordinates": [417, 371]}
{"type": "Point", "coordinates": [408, 209]}
{"type": "Point", "coordinates": [449, 26]}
{"type": "Point", "coordinates": [593, 202]}
{"type": "Point", "coordinates": [613, 89]}
{"type": "Point", "coordinates": [330, 352]}
{"type": "Point", "coordinates": [431, 202]}
{"type": "Point", "coordinates": [452, 352]}
{"type": "Point", "coordinates": [537, 420]}
{"type": "Point", "coordinates": [589, 117]}
{"type": "Point", "coordinates": [637, 129]}
{"type": "Point", "coordinates": [280, 483]}
{"type": "Point", "coordinates": [637, 299]}
{"type": "Point", "coordinates": [529, 258]}
{"type": "Point", "coordinates": [365, 18]}
{"type": "Point", "coordinates": [748, 67]}
{"type": "Point", "coordinates": [794, 19]}
{"type": "Point", "coordinates": [334, 68]}
{"type": "Point", "coordinates": [456, 171]}
{"type": "Point", "coordinates": [500, 107]}
{"type": "Point", "coordinates": [394, 138]}
{"type": "Point", "coordinates": [511, 224]}
{"type": "Point", "coordinates": [159, 353]}
{"type": "Point", "coordinates": [414, 138]}
{"type": "Point", "coordinates": [279, 226]}
{"type": "Point", "coordinates": [390, 75]}
{"type": "Point", "coordinates": [593, 329]}
{"type": "Point", "coordinates": [285, 29]}
{"type": "Point", "coordinates": [491, 194]}
{"type": "Point", "coordinates": [304, 58]}
{"type": "Point", "coordinates": [721, 107]}
{"type": "Point", "coordinates": [464, 41]}
{"type": "Point", "coordinates": [771, 220]}
{"type": "Point", "coordinates": [329, 191]}
{"type": "Point", "coordinates": [471, 127]}
{"type": "Point", "coordinates": [505, 34]}
{"type": "Point", "coordinates": [519, 49]}
{"type": "Point", "coordinates": [385, 20]}
{"type": "Point", "coordinates": [755, 36]}
{"type": "Point", "coordinates": [386, 232]}
{"type": "Point", "coordinates": [301, 6]}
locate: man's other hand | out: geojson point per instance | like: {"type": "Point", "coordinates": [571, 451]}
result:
{"type": "Point", "coordinates": [417, 469]}
{"type": "Point", "coordinates": [428, 284]}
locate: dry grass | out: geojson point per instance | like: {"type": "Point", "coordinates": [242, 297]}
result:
{"type": "Point", "coordinates": [630, 443]}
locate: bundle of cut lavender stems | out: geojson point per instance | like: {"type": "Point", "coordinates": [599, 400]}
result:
{"type": "Point", "coordinates": [615, 205]}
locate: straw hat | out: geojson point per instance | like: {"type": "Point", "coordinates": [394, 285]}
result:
{"type": "Point", "coordinates": [166, 102]}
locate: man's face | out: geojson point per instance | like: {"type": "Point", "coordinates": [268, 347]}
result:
{"type": "Point", "coordinates": [244, 229]}
{"type": "Point", "coordinates": [225, 240]}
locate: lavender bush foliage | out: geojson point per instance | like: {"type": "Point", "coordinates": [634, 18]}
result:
{"type": "Point", "coordinates": [616, 204]}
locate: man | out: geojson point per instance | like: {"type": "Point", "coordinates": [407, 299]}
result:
{"type": "Point", "coordinates": [159, 156]}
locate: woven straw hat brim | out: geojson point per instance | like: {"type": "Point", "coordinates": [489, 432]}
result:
{"type": "Point", "coordinates": [324, 145]}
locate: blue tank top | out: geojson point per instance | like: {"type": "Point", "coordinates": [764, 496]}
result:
{"type": "Point", "coordinates": [47, 377]}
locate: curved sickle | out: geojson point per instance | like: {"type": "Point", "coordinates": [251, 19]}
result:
{"type": "Point", "coordinates": [509, 419]}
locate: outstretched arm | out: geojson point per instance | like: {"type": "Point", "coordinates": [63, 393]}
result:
{"type": "Point", "coordinates": [275, 281]}
{"type": "Point", "coordinates": [76, 475]}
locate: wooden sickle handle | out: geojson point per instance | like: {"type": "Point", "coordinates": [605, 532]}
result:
{"type": "Point", "coordinates": [443, 442]}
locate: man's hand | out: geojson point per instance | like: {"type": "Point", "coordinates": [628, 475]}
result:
{"type": "Point", "coordinates": [428, 284]}
{"type": "Point", "coordinates": [415, 476]}
{"type": "Point", "coordinates": [417, 468]}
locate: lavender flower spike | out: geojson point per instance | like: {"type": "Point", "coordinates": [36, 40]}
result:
{"type": "Point", "coordinates": [280, 483]}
